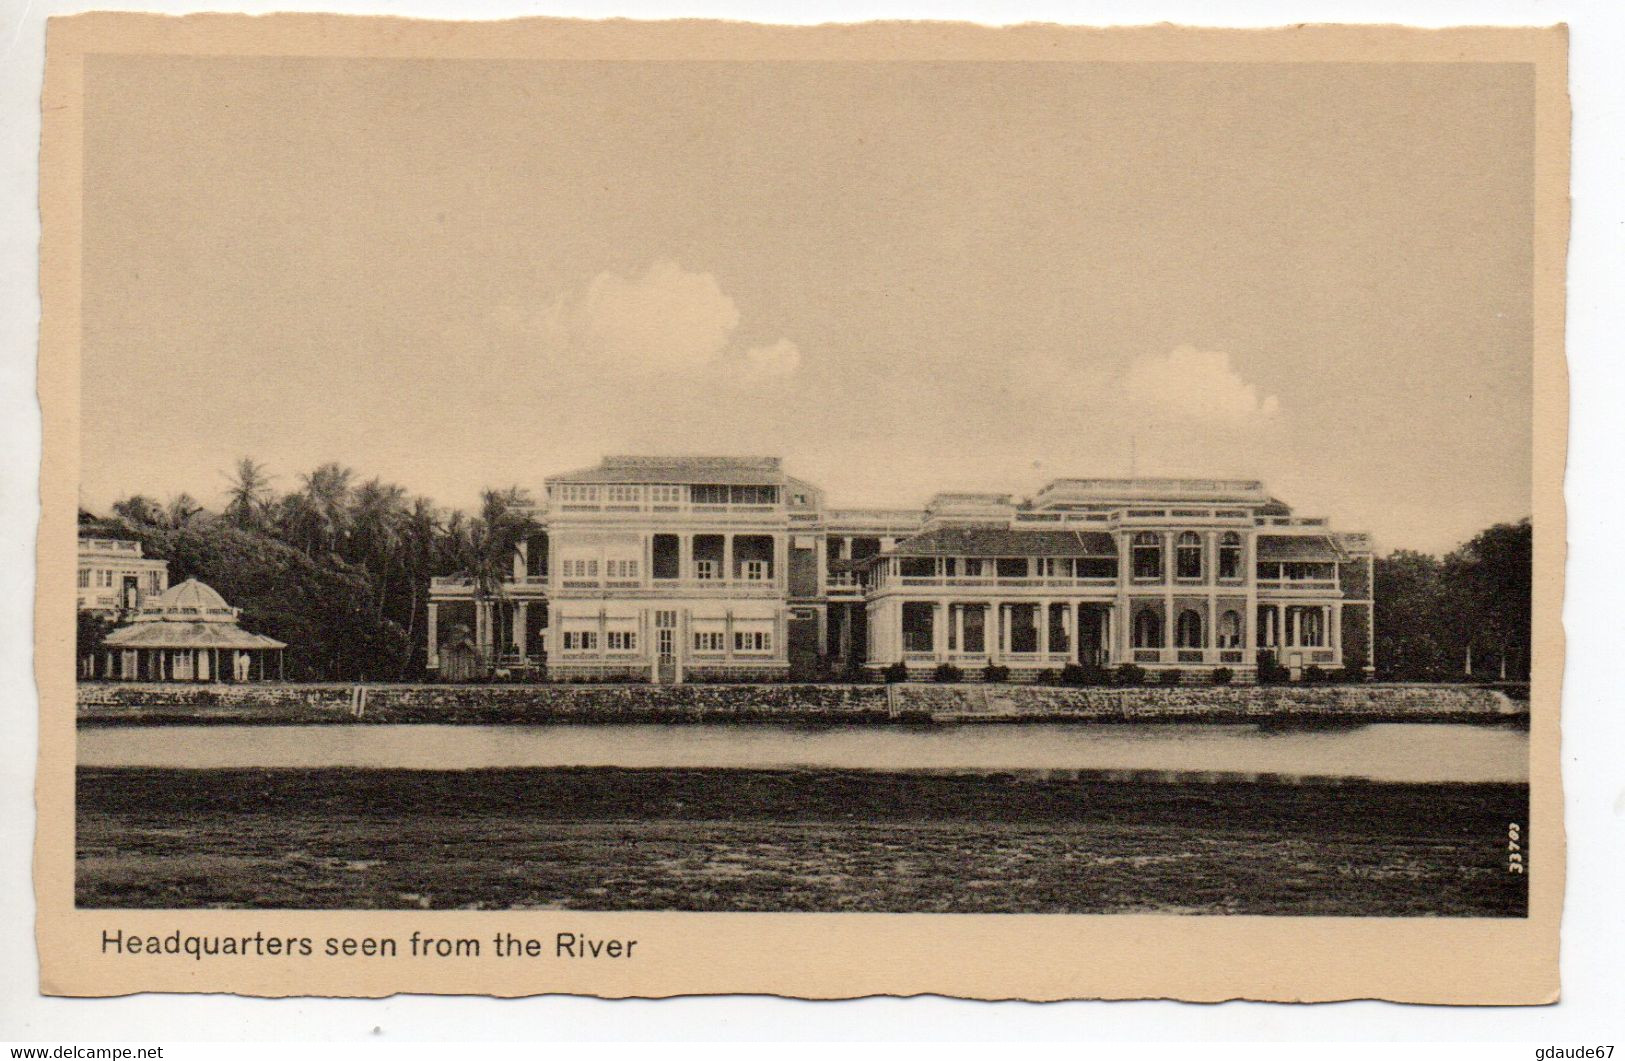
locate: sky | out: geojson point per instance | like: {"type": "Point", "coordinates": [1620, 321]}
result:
{"type": "Point", "coordinates": [901, 277]}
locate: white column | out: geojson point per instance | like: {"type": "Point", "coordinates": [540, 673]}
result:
{"type": "Point", "coordinates": [959, 627]}
{"type": "Point", "coordinates": [520, 553]}
{"type": "Point", "coordinates": [1043, 628]}
{"type": "Point", "coordinates": [521, 615]}
{"type": "Point", "coordinates": [1337, 630]}
{"type": "Point", "coordinates": [728, 557]}
{"type": "Point", "coordinates": [939, 631]}
{"type": "Point", "coordinates": [432, 631]}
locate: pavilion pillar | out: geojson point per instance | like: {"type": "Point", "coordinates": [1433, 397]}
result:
{"type": "Point", "coordinates": [959, 628]}
{"type": "Point", "coordinates": [939, 631]}
{"type": "Point", "coordinates": [728, 558]}
{"type": "Point", "coordinates": [1043, 628]}
{"type": "Point", "coordinates": [1336, 612]}
{"type": "Point", "coordinates": [521, 616]}
{"type": "Point", "coordinates": [431, 632]}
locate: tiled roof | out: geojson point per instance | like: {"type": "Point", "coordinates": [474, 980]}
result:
{"type": "Point", "coordinates": [168, 634]}
{"type": "Point", "coordinates": [1000, 541]}
{"type": "Point", "coordinates": [733, 471]}
{"type": "Point", "coordinates": [1304, 547]}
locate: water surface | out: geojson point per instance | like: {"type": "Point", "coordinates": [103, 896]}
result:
{"type": "Point", "coordinates": [1396, 752]}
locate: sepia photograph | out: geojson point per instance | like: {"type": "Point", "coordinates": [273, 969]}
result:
{"type": "Point", "coordinates": [810, 483]}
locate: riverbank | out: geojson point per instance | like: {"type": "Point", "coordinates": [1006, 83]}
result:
{"type": "Point", "coordinates": [116, 703]}
{"type": "Point", "coordinates": [790, 840]}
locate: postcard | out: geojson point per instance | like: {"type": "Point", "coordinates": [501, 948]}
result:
{"type": "Point", "coordinates": [646, 509]}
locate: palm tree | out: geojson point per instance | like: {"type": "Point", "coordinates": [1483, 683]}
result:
{"type": "Point", "coordinates": [327, 495]}
{"type": "Point", "coordinates": [180, 510]}
{"type": "Point", "coordinates": [420, 546]}
{"type": "Point", "coordinates": [377, 512]}
{"type": "Point", "coordinates": [490, 541]}
{"type": "Point", "coordinates": [140, 510]}
{"type": "Point", "coordinates": [249, 495]}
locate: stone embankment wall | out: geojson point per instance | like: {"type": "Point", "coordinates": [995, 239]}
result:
{"type": "Point", "coordinates": [1218, 703]}
{"type": "Point", "coordinates": [270, 703]}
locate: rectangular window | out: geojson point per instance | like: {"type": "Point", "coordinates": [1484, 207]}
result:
{"type": "Point", "coordinates": [1011, 567]}
{"type": "Point", "coordinates": [622, 641]}
{"type": "Point", "coordinates": [581, 569]}
{"type": "Point", "coordinates": [974, 569]}
{"type": "Point", "coordinates": [621, 568]}
{"type": "Point", "coordinates": [84, 578]}
{"type": "Point", "coordinates": [580, 640]}
{"type": "Point", "coordinates": [705, 494]}
{"type": "Point", "coordinates": [753, 641]}
{"type": "Point", "coordinates": [708, 641]}
{"type": "Point", "coordinates": [666, 495]}
{"type": "Point", "coordinates": [104, 579]}
{"type": "Point", "coordinates": [754, 495]}
{"type": "Point", "coordinates": [756, 570]}
{"type": "Point", "coordinates": [625, 493]}
{"type": "Point", "coordinates": [705, 570]}
{"type": "Point", "coordinates": [577, 492]}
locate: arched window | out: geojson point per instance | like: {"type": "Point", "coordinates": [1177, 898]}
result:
{"type": "Point", "coordinates": [1147, 630]}
{"type": "Point", "coordinates": [1189, 630]}
{"type": "Point", "coordinates": [1147, 551]}
{"type": "Point", "coordinates": [1230, 630]}
{"type": "Point", "coordinates": [1188, 555]}
{"type": "Point", "coordinates": [1230, 555]}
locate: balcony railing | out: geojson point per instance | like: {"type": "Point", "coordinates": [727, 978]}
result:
{"type": "Point", "coordinates": [996, 582]}
{"type": "Point", "coordinates": [1317, 585]}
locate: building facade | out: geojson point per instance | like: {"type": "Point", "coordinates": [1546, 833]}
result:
{"type": "Point", "coordinates": [115, 579]}
{"type": "Point", "coordinates": [187, 633]}
{"type": "Point", "coordinates": [727, 568]}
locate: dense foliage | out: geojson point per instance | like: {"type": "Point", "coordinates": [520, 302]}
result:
{"type": "Point", "coordinates": [1467, 614]}
{"type": "Point", "coordinates": [338, 569]}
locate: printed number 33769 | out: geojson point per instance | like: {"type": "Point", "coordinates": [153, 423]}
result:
{"type": "Point", "coordinates": [1514, 848]}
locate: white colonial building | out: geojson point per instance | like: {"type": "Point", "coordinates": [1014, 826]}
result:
{"type": "Point", "coordinates": [115, 579]}
{"type": "Point", "coordinates": [718, 568]}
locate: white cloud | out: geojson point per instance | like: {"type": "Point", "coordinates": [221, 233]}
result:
{"type": "Point", "coordinates": [772, 362]}
{"type": "Point", "coordinates": [1195, 385]}
{"type": "Point", "coordinates": [667, 321]}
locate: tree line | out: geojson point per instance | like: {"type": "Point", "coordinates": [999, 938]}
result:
{"type": "Point", "coordinates": [337, 567]}
{"type": "Point", "coordinates": [1464, 615]}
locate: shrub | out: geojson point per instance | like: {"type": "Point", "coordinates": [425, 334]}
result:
{"type": "Point", "coordinates": [895, 672]}
{"type": "Point", "coordinates": [1352, 673]}
{"type": "Point", "coordinates": [1074, 674]}
{"type": "Point", "coordinates": [1312, 674]}
{"type": "Point", "coordinates": [947, 672]}
{"type": "Point", "coordinates": [1171, 676]}
{"type": "Point", "coordinates": [995, 672]}
{"type": "Point", "coordinates": [1270, 671]}
{"type": "Point", "coordinates": [1222, 675]}
{"type": "Point", "coordinates": [1046, 676]}
{"type": "Point", "coordinates": [1129, 674]}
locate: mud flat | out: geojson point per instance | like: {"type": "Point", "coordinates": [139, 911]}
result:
{"type": "Point", "coordinates": [792, 840]}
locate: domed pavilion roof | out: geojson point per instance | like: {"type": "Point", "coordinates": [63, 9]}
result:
{"type": "Point", "coordinates": [189, 600]}
{"type": "Point", "coordinates": [187, 615]}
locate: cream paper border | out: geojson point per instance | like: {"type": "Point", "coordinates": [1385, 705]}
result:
{"type": "Point", "coordinates": [1037, 957]}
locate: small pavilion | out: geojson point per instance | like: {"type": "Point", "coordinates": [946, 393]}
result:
{"type": "Point", "coordinates": [189, 633]}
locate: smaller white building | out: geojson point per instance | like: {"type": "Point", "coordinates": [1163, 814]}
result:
{"type": "Point", "coordinates": [115, 579]}
{"type": "Point", "coordinates": [189, 633]}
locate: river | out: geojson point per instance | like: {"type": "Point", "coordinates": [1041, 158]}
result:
{"type": "Point", "coordinates": [1400, 752]}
